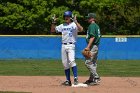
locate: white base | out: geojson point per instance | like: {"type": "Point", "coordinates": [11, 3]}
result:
{"type": "Point", "coordinates": [80, 85]}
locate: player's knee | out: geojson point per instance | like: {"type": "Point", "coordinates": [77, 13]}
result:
{"type": "Point", "coordinates": [88, 63]}
{"type": "Point", "coordinates": [65, 67]}
{"type": "Point", "coordinates": [72, 63]}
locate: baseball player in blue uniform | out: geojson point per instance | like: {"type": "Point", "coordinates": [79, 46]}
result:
{"type": "Point", "coordinates": [69, 30]}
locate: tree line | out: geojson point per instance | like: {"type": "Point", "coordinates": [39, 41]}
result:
{"type": "Point", "coordinates": [26, 17]}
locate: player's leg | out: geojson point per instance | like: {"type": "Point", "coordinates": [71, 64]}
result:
{"type": "Point", "coordinates": [71, 57]}
{"type": "Point", "coordinates": [91, 64]}
{"type": "Point", "coordinates": [64, 55]}
{"type": "Point", "coordinates": [94, 52]}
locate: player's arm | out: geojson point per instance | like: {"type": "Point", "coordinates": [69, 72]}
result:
{"type": "Point", "coordinates": [80, 28]}
{"type": "Point", "coordinates": [56, 29]}
{"type": "Point", "coordinates": [53, 26]}
{"type": "Point", "coordinates": [92, 37]}
{"type": "Point", "coordinates": [90, 43]}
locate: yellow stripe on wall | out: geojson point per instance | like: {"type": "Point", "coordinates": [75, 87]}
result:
{"type": "Point", "coordinates": [60, 35]}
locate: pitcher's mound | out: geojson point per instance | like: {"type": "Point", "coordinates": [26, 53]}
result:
{"type": "Point", "coordinates": [80, 85]}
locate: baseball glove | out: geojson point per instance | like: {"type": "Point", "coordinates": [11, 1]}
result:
{"type": "Point", "coordinates": [86, 53]}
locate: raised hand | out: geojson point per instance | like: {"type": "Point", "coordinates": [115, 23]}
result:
{"type": "Point", "coordinates": [54, 18]}
{"type": "Point", "coordinates": [75, 18]}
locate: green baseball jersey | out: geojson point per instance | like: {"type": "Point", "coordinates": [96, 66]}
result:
{"type": "Point", "coordinates": [93, 31]}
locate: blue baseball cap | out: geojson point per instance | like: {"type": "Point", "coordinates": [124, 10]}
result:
{"type": "Point", "coordinates": [67, 13]}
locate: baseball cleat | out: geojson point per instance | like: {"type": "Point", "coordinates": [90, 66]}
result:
{"type": "Point", "coordinates": [75, 81]}
{"type": "Point", "coordinates": [96, 81]}
{"type": "Point", "coordinates": [67, 83]}
{"type": "Point", "coordinates": [88, 82]}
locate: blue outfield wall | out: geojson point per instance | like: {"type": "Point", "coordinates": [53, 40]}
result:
{"type": "Point", "coordinates": [46, 47]}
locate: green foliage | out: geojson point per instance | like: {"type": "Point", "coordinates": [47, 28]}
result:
{"type": "Point", "coordinates": [25, 16]}
{"type": "Point", "coordinates": [34, 16]}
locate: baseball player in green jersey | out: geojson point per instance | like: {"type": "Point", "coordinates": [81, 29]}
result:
{"type": "Point", "coordinates": [93, 40]}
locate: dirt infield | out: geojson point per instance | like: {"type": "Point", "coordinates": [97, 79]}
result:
{"type": "Point", "coordinates": [52, 84]}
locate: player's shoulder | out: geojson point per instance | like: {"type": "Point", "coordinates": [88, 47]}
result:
{"type": "Point", "coordinates": [73, 24]}
{"type": "Point", "coordinates": [97, 26]}
{"type": "Point", "coordinates": [94, 25]}
{"type": "Point", "coordinates": [61, 25]}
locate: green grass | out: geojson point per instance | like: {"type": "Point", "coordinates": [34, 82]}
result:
{"type": "Point", "coordinates": [54, 67]}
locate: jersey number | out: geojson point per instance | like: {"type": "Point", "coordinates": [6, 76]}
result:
{"type": "Point", "coordinates": [70, 34]}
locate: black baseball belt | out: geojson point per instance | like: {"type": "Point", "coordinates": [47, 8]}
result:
{"type": "Point", "coordinates": [68, 43]}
